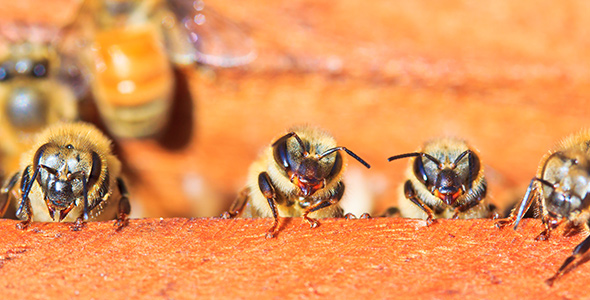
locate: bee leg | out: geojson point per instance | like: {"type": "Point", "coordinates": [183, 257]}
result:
{"type": "Point", "coordinates": [519, 211]}
{"type": "Point", "coordinates": [494, 215]}
{"type": "Point", "coordinates": [78, 225]}
{"type": "Point", "coordinates": [268, 190]}
{"type": "Point", "coordinates": [465, 207]}
{"type": "Point", "coordinates": [550, 224]}
{"type": "Point", "coordinates": [238, 206]}
{"type": "Point", "coordinates": [580, 250]}
{"type": "Point", "coordinates": [334, 198]}
{"type": "Point", "coordinates": [5, 192]}
{"type": "Point", "coordinates": [410, 194]}
{"type": "Point", "coordinates": [313, 222]}
{"type": "Point", "coordinates": [124, 206]}
{"type": "Point", "coordinates": [24, 211]}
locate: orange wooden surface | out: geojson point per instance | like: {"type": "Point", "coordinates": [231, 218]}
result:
{"type": "Point", "coordinates": [383, 76]}
{"type": "Point", "coordinates": [231, 259]}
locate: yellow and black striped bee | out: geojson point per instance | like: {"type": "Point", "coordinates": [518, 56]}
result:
{"type": "Point", "coordinates": [299, 175]}
{"type": "Point", "coordinates": [445, 179]}
{"type": "Point", "coordinates": [561, 190]}
{"type": "Point", "coordinates": [70, 175]}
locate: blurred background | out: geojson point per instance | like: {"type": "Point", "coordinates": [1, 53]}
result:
{"type": "Point", "coordinates": [382, 76]}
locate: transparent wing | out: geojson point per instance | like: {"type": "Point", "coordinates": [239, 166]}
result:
{"type": "Point", "coordinates": [75, 75]}
{"type": "Point", "coordinates": [204, 36]}
{"type": "Point", "coordinates": [71, 45]}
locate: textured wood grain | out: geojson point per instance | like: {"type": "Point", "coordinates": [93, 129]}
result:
{"type": "Point", "coordinates": [344, 259]}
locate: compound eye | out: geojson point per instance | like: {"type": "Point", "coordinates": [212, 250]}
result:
{"type": "Point", "coordinates": [39, 69]}
{"type": "Point", "coordinates": [281, 154]}
{"type": "Point", "coordinates": [419, 170]}
{"type": "Point", "coordinates": [337, 167]}
{"type": "Point", "coordinates": [5, 72]}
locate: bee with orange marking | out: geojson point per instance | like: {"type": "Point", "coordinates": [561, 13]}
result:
{"type": "Point", "coordinates": [132, 48]}
{"type": "Point", "coordinates": [299, 175]}
{"type": "Point", "coordinates": [445, 179]}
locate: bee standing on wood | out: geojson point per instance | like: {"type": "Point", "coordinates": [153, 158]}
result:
{"type": "Point", "coordinates": [562, 192]}
{"type": "Point", "coordinates": [445, 179]}
{"type": "Point", "coordinates": [69, 175]}
{"type": "Point", "coordinates": [299, 175]}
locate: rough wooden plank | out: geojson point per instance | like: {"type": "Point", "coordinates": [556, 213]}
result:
{"type": "Point", "coordinates": [344, 259]}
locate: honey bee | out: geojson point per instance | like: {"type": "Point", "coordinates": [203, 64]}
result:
{"type": "Point", "coordinates": [299, 175]}
{"type": "Point", "coordinates": [445, 180]}
{"type": "Point", "coordinates": [561, 190]}
{"type": "Point", "coordinates": [37, 86]}
{"type": "Point", "coordinates": [69, 175]}
{"type": "Point", "coordinates": [132, 45]}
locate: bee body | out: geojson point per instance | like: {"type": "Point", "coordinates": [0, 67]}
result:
{"type": "Point", "coordinates": [561, 189]}
{"type": "Point", "coordinates": [445, 179]}
{"type": "Point", "coordinates": [70, 174]}
{"type": "Point", "coordinates": [299, 175]}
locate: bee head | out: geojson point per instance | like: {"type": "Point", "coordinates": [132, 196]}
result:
{"type": "Point", "coordinates": [566, 186]}
{"type": "Point", "coordinates": [64, 174]}
{"type": "Point", "coordinates": [445, 180]}
{"type": "Point", "coordinates": [307, 170]}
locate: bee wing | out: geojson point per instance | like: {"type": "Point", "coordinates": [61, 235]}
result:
{"type": "Point", "coordinates": [207, 37]}
{"type": "Point", "coordinates": [74, 74]}
{"type": "Point", "coordinates": [73, 71]}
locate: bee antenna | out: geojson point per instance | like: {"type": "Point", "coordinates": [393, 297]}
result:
{"type": "Point", "coordinates": [330, 151]}
{"type": "Point", "coordinates": [545, 182]}
{"type": "Point", "coordinates": [289, 135]}
{"type": "Point", "coordinates": [414, 154]}
{"type": "Point", "coordinates": [458, 159]}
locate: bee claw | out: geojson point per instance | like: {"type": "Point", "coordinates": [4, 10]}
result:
{"type": "Point", "coordinates": [227, 215]}
{"type": "Point", "coordinates": [501, 223]}
{"type": "Point", "coordinates": [430, 221]}
{"type": "Point", "coordinates": [78, 225]}
{"type": "Point", "coordinates": [23, 225]}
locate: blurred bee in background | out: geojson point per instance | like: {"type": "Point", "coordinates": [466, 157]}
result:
{"type": "Point", "coordinates": [299, 175]}
{"type": "Point", "coordinates": [40, 82]}
{"type": "Point", "coordinates": [131, 47]}
{"type": "Point", "coordinates": [561, 191]}
{"type": "Point", "coordinates": [71, 175]}
{"type": "Point", "coordinates": [445, 179]}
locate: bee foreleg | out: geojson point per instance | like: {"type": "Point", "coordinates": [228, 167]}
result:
{"type": "Point", "coordinates": [5, 191]}
{"type": "Point", "coordinates": [410, 194]}
{"type": "Point", "coordinates": [333, 199]}
{"type": "Point", "coordinates": [519, 211]}
{"type": "Point", "coordinates": [24, 211]}
{"type": "Point", "coordinates": [467, 206]}
{"type": "Point", "coordinates": [238, 206]}
{"type": "Point", "coordinates": [268, 190]}
{"type": "Point", "coordinates": [580, 250]}
{"type": "Point", "coordinates": [550, 224]}
{"type": "Point", "coordinates": [124, 206]}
